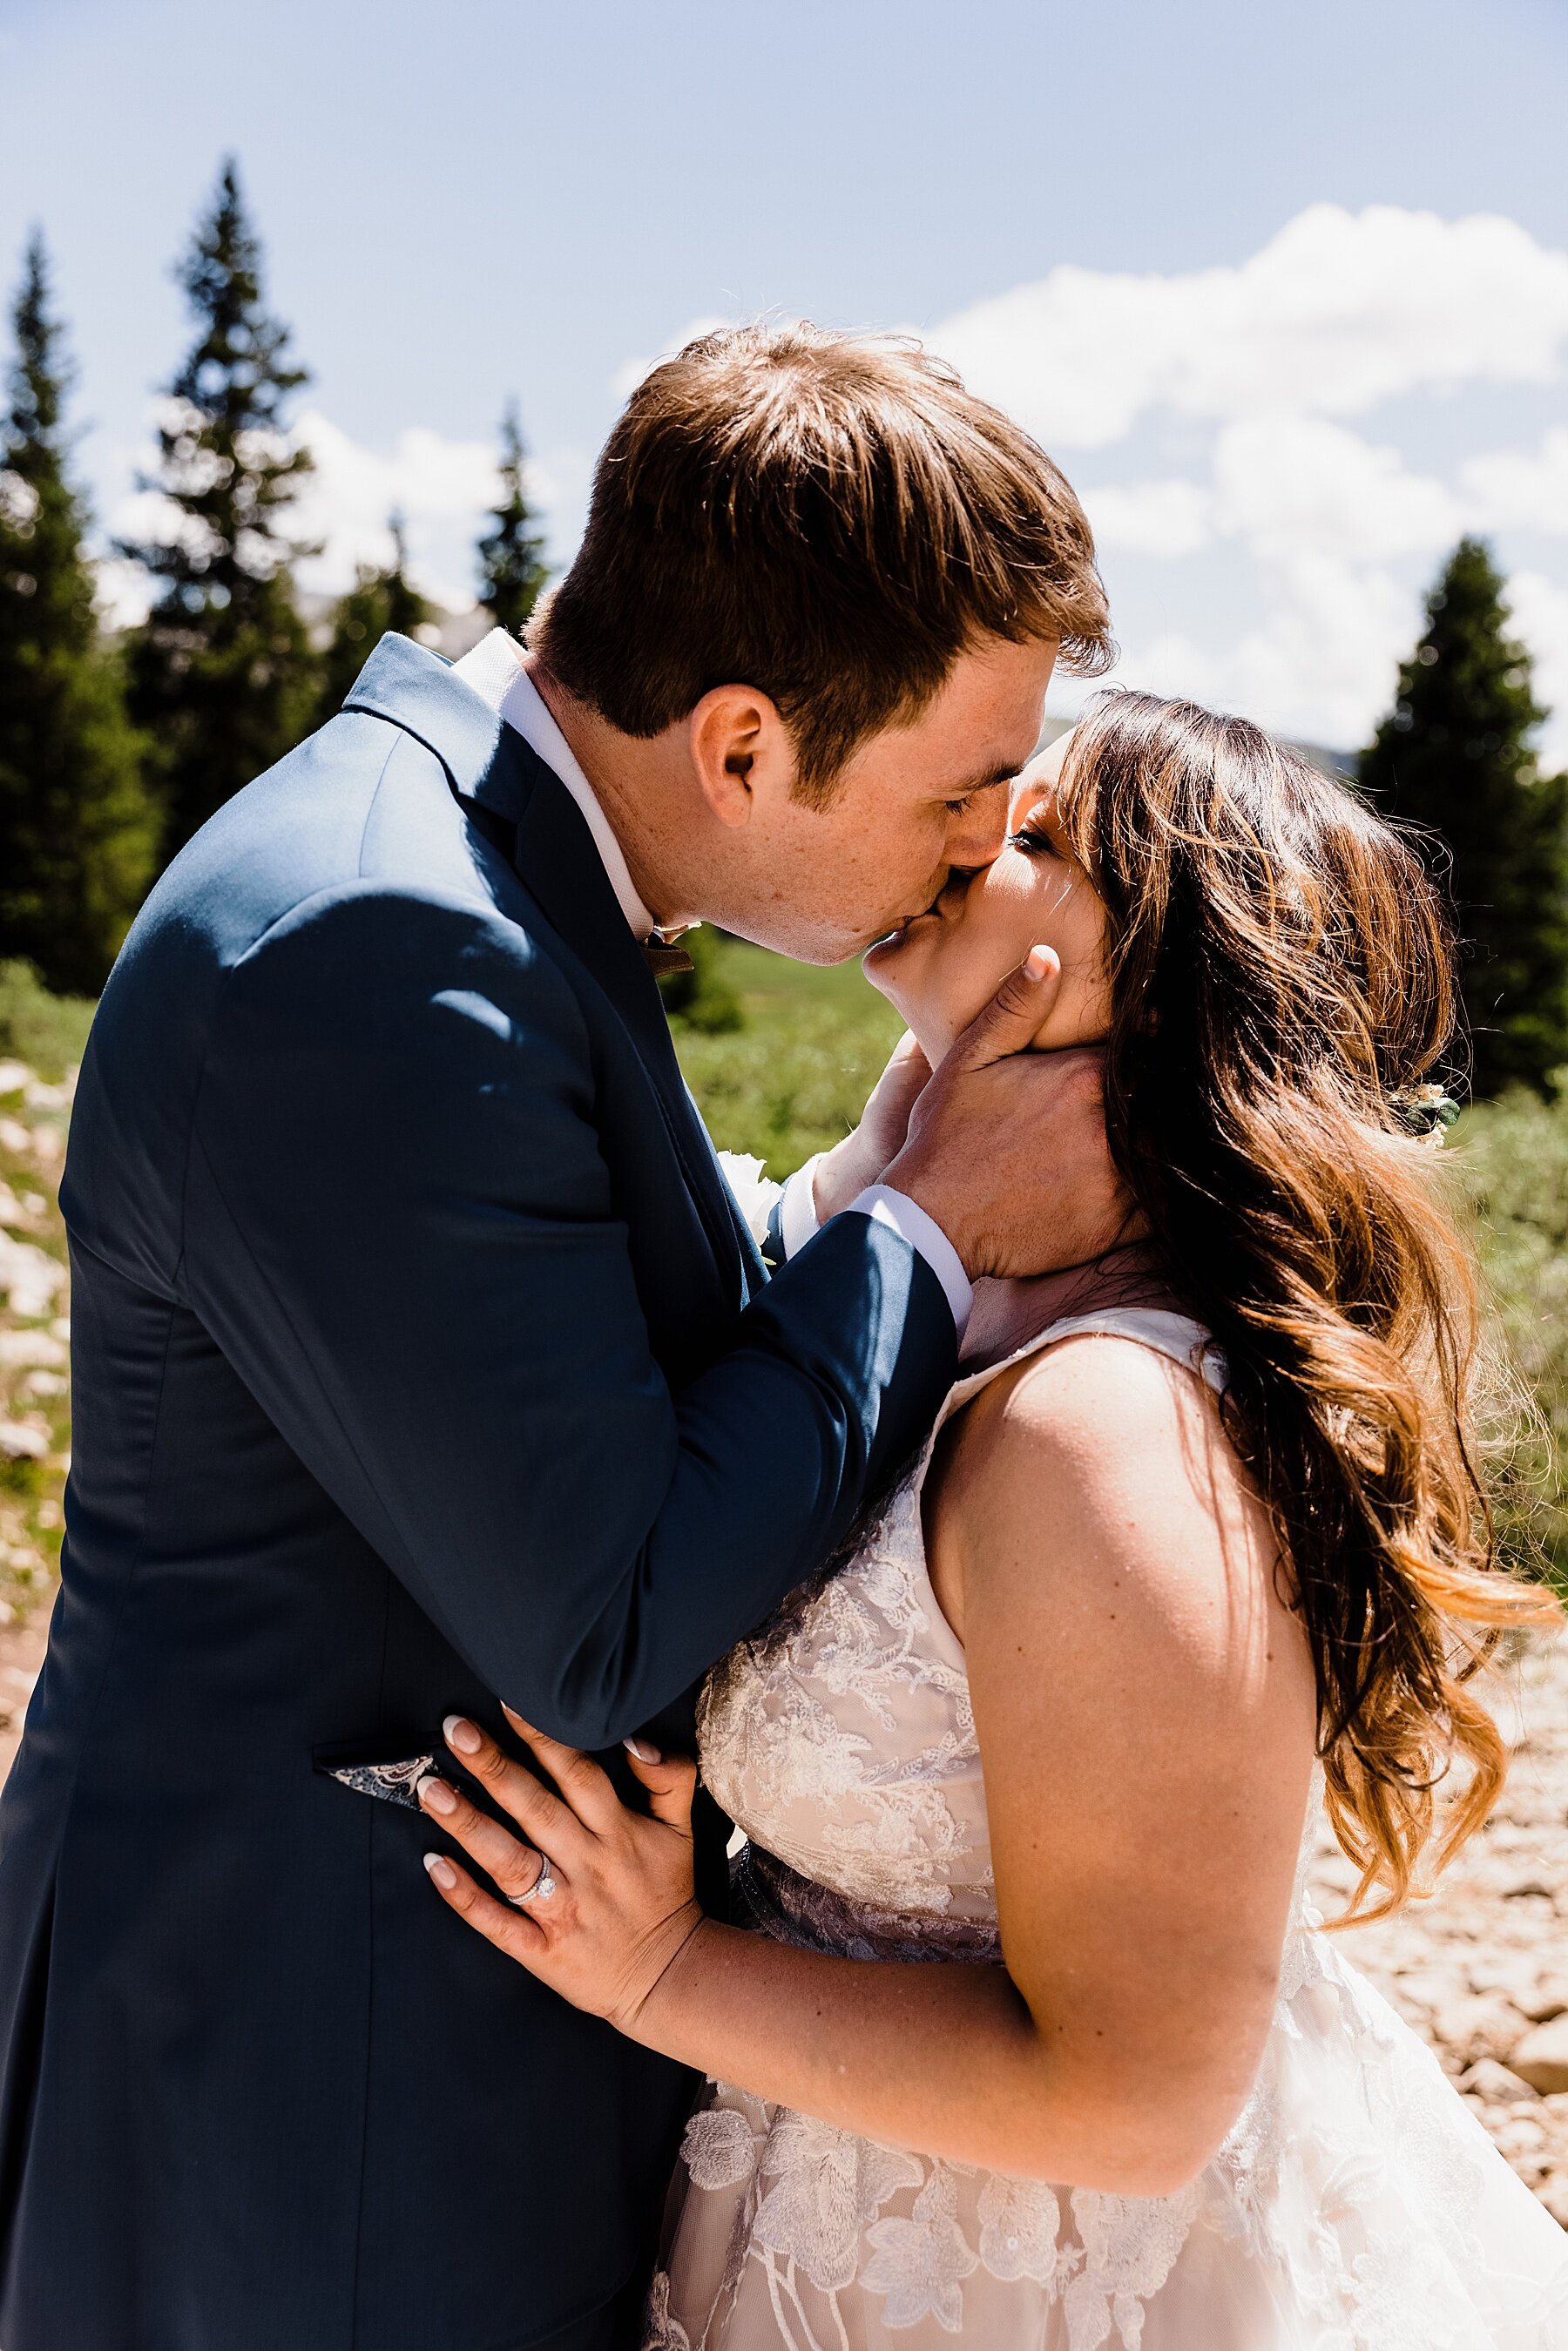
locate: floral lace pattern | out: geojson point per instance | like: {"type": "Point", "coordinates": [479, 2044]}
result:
{"type": "Point", "coordinates": [843, 1739]}
{"type": "Point", "coordinates": [1355, 2206]}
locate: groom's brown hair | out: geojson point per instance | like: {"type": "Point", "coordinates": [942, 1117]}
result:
{"type": "Point", "coordinates": [828, 517]}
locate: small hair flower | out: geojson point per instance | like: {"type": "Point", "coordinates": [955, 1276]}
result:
{"type": "Point", "coordinates": [1425, 1111]}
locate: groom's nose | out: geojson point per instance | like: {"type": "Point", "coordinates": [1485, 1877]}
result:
{"type": "Point", "coordinates": [976, 834]}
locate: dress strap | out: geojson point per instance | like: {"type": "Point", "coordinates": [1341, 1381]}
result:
{"type": "Point", "coordinates": [1176, 1336]}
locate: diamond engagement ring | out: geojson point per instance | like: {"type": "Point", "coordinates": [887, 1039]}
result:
{"type": "Point", "coordinates": [541, 1890]}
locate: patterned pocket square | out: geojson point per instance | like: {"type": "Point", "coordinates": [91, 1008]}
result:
{"type": "Point", "coordinates": [395, 1782]}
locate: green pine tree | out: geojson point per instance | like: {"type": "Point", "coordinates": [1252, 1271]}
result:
{"type": "Point", "coordinates": [377, 602]}
{"type": "Point", "coordinates": [1454, 757]}
{"type": "Point", "coordinates": [512, 567]}
{"type": "Point", "coordinates": [223, 675]}
{"type": "Point", "coordinates": [77, 827]}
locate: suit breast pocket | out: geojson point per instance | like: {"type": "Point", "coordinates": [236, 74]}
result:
{"type": "Point", "coordinates": [370, 1771]}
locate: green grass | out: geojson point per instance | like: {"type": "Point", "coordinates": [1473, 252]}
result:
{"type": "Point", "coordinates": [48, 1032]}
{"type": "Point", "coordinates": [795, 1077]}
{"type": "Point", "coordinates": [1513, 1158]}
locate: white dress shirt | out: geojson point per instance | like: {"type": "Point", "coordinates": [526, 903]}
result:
{"type": "Point", "coordinates": [493, 670]}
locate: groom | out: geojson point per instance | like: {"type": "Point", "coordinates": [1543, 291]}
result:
{"type": "Point", "coordinates": [422, 1360]}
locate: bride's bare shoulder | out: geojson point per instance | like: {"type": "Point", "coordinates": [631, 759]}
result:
{"type": "Point", "coordinates": [1086, 1399]}
{"type": "Point", "coordinates": [1099, 1448]}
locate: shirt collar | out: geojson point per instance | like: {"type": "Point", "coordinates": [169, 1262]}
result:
{"type": "Point", "coordinates": [493, 670]}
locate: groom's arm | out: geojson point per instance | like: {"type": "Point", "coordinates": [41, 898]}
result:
{"type": "Point", "coordinates": [400, 1228]}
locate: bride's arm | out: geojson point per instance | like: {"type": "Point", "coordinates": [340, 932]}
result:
{"type": "Point", "coordinates": [1145, 1707]}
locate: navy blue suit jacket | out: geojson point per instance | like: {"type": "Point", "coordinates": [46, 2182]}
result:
{"type": "Point", "coordinates": [421, 1357]}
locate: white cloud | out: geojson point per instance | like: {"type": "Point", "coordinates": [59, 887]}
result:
{"type": "Point", "coordinates": [1337, 312]}
{"type": "Point", "coordinates": [124, 592]}
{"type": "Point", "coordinates": [1169, 518]}
{"type": "Point", "coordinates": [1527, 488]}
{"type": "Point", "coordinates": [433, 483]}
{"type": "Point", "coordinates": [1319, 662]}
{"type": "Point", "coordinates": [1286, 485]}
{"type": "Point", "coordinates": [442, 488]}
{"type": "Point", "coordinates": [1295, 485]}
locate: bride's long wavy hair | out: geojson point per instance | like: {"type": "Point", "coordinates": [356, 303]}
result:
{"type": "Point", "coordinates": [1282, 985]}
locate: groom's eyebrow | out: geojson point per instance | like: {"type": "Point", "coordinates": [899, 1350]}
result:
{"type": "Point", "coordinates": [1002, 775]}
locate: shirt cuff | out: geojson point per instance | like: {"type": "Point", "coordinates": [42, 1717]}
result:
{"type": "Point", "coordinates": [797, 1221]}
{"type": "Point", "coordinates": [925, 1237]}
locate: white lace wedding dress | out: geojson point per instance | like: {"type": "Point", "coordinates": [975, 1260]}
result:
{"type": "Point", "coordinates": [1357, 2205]}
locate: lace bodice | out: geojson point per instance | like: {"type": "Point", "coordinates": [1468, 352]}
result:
{"type": "Point", "coordinates": [841, 1738]}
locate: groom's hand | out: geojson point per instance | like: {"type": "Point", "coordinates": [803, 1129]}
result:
{"type": "Point", "coordinates": [1007, 1147]}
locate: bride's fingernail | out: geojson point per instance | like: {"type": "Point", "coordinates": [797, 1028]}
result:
{"type": "Point", "coordinates": [444, 1874]}
{"type": "Point", "coordinates": [641, 1750]}
{"type": "Point", "coordinates": [461, 1734]}
{"type": "Point", "coordinates": [1037, 963]}
{"type": "Point", "coordinates": [435, 1795]}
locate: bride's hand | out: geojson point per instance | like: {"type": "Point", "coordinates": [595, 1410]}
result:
{"type": "Point", "coordinates": [859, 1158]}
{"type": "Point", "coordinates": [623, 1902]}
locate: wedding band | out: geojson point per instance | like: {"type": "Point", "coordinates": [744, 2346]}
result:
{"type": "Point", "coordinates": [541, 1890]}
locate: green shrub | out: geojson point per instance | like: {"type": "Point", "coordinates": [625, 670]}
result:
{"type": "Point", "coordinates": [48, 1032]}
{"type": "Point", "coordinates": [1513, 1157]}
{"type": "Point", "coordinates": [705, 998]}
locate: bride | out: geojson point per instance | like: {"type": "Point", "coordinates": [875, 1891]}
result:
{"type": "Point", "coordinates": [1197, 1545]}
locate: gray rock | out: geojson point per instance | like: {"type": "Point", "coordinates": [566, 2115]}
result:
{"type": "Point", "coordinates": [1542, 2057]}
{"type": "Point", "coordinates": [1482, 2025]}
{"type": "Point", "coordinates": [1522, 2137]}
{"type": "Point", "coordinates": [1554, 2194]}
{"type": "Point", "coordinates": [1496, 2085]}
{"type": "Point", "coordinates": [25, 1347]}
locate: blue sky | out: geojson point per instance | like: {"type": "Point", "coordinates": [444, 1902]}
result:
{"type": "Point", "coordinates": [1285, 290]}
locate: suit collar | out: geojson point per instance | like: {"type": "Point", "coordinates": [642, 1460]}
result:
{"type": "Point", "coordinates": [469, 729]}
{"type": "Point", "coordinates": [489, 766]}
{"type": "Point", "coordinates": [417, 691]}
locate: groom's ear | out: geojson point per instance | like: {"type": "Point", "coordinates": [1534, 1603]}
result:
{"type": "Point", "coordinates": [742, 752]}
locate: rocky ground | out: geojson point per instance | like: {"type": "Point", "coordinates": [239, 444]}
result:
{"type": "Point", "coordinates": [1480, 1970]}
{"type": "Point", "coordinates": [35, 1388]}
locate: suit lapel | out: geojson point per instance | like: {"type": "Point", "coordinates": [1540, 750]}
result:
{"type": "Point", "coordinates": [556, 858]}
{"type": "Point", "coordinates": [520, 803]}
